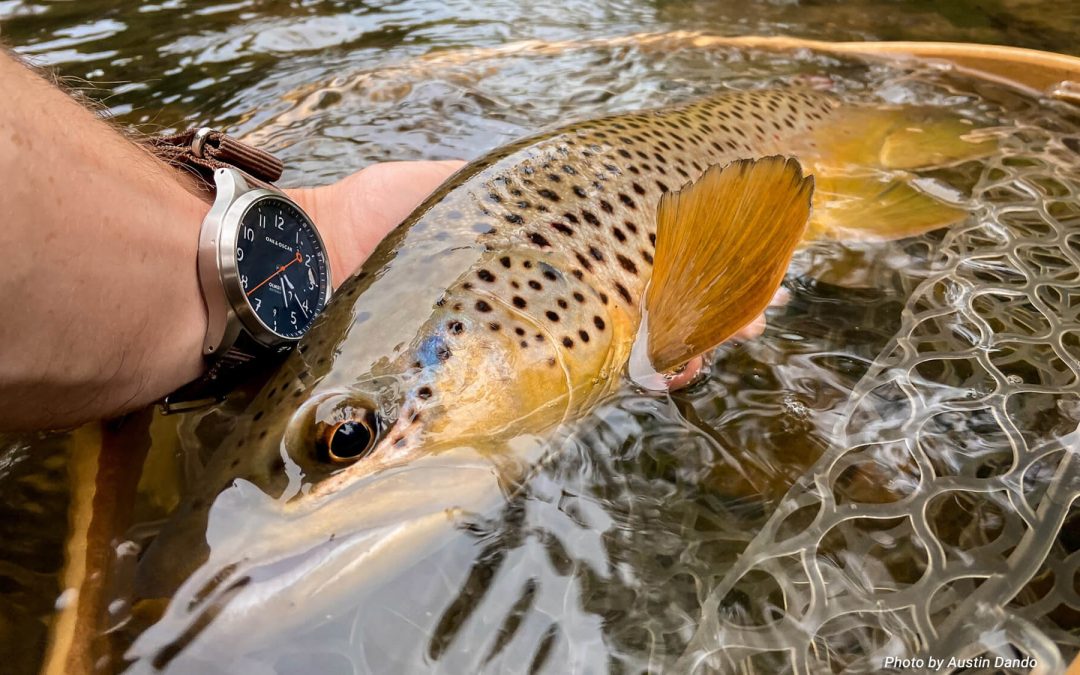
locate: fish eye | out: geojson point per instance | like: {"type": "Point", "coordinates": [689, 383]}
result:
{"type": "Point", "coordinates": [348, 439]}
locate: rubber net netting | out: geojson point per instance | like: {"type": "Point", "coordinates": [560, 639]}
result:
{"type": "Point", "coordinates": [971, 548]}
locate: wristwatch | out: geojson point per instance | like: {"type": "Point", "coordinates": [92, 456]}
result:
{"type": "Point", "coordinates": [263, 268]}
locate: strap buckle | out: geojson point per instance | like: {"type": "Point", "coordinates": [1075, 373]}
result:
{"type": "Point", "coordinates": [169, 407]}
{"type": "Point", "coordinates": [198, 141]}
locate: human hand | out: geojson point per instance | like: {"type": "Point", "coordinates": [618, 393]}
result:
{"type": "Point", "coordinates": [355, 213]}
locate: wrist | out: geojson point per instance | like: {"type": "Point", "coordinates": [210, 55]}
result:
{"type": "Point", "coordinates": [183, 325]}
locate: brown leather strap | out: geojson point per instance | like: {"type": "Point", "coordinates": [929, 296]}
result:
{"type": "Point", "coordinates": [205, 150]}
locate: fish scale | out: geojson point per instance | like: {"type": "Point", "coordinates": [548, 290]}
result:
{"type": "Point", "coordinates": [580, 204]}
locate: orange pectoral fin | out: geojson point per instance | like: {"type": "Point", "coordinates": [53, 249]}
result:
{"type": "Point", "coordinates": [723, 244]}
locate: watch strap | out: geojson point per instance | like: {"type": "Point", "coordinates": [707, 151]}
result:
{"type": "Point", "coordinates": [224, 372]}
{"type": "Point", "coordinates": [202, 151]}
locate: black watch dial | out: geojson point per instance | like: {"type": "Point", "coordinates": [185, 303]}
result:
{"type": "Point", "coordinates": [282, 266]}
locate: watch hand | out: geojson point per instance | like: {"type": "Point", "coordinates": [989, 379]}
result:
{"type": "Point", "coordinates": [297, 258]}
{"type": "Point", "coordinates": [287, 280]}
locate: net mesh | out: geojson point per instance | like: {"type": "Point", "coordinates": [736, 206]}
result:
{"type": "Point", "coordinates": [972, 549]}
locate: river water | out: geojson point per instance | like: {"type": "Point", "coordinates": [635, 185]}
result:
{"type": "Point", "coordinates": [885, 472]}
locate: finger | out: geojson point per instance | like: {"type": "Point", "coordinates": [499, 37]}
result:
{"type": "Point", "coordinates": [687, 375]}
{"type": "Point", "coordinates": [751, 330]}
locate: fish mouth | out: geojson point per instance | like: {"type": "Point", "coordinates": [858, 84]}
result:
{"type": "Point", "coordinates": [276, 568]}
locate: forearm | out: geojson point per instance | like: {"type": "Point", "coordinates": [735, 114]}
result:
{"type": "Point", "coordinates": [103, 308]}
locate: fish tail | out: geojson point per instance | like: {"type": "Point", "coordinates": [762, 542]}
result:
{"type": "Point", "coordinates": [862, 160]}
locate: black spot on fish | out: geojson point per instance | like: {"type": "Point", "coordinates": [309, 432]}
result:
{"type": "Point", "coordinates": [603, 297]}
{"type": "Point", "coordinates": [568, 343]}
{"type": "Point", "coordinates": [552, 316]}
{"type": "Point", "coordinates": [625, 199]}
{"type": "Point", "coordinates": [623, 292]}
{"type": "Point", "coordinates": [590, 218]}
{"type": "Point", "coordinates": [598, 322]}
{"type": "Point", "coordinates": [494, 197]}
{"type": "Point", "coordinates": [561, 303]}
{"type": "Point", "coordinates": [627, 263]}
{"type": "Point", "coordinates": [562, 229]}
{"type": "Point", "coordinates": [618, 234]}
{"type": "Point", "coordinates": [569, 170]}
{"type": "Point", "coordinates": [482, 306]}
{"type": "Point", "coordinates": [424, 392]}
{"type": "Point", "coordinates": [580, 192]}
{"type": "Point", "coordinates": [514, 218]}
{"type": "Point", "coordinates": [535, 285]}
{"type": "Point", "coordinates": [647, 256]}
{"type": "Point", "coordinates": [663, 188]}
{"type": "Point", "coordinates": [583, 335]}
{"type": "Point", "coordinates": [486, 276]}
{"type": "Point", "coordinates": [571, 218]}
{"type": "Point", "coordinates": [579, 297]}
{"type": "Point", "coordinates": [638, 189]}
{"type": "Point", "coordinates": [624, 153]}
{"type": "Point", "coordinates": [494, 325]}
{"type": "Point", "coordinates": [505, 260]}
{"type": "Point", "coordinates": [554, 177]}
{"type": "Point", "coordinates": [519, 302]}
{"type": "Point", "coordinates": [455, 327]}
{"type": "Point", "coordinates": [520, 331]}
{"type": "Point", "coordinates": [578, 274]}
{"type": "Point", "coordinates": [584, 261]}
{"type": "Point", "coordinates": [596, 254]}
{"type": "Point", "coordinates": [527, 264]}
{"type": "Point", "coordinates": [539, 239]}
{"type": "Point", "coordinates": [549, 272]}
{"type": "Point", "coordinates": [606, 206]}
{"type": "Point", "coordinates": [549, 195]}
{"type": "Point", "coordinates": [652, 239]}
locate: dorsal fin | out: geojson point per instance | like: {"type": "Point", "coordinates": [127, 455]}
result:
{"type": "Point", "coordinates": [723, 243]}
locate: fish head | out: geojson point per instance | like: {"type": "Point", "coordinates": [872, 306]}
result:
{"type": "Point", "coordinates": [352, 469]}
{"type": "Point", "coordinates": [464, 380]}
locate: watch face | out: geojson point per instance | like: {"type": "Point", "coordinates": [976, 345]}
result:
{"type": "Point", "coordinates": [281, 266]}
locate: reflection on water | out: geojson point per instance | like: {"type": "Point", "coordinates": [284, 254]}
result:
{"type": "Point", "coordinates": [666, 533]}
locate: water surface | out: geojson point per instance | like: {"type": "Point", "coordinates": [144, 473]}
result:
{"type": "Point", "coordinates": [740, 523]}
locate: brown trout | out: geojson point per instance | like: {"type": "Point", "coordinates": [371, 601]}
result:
{"type": "Point", "coordinates": [510, 302]}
